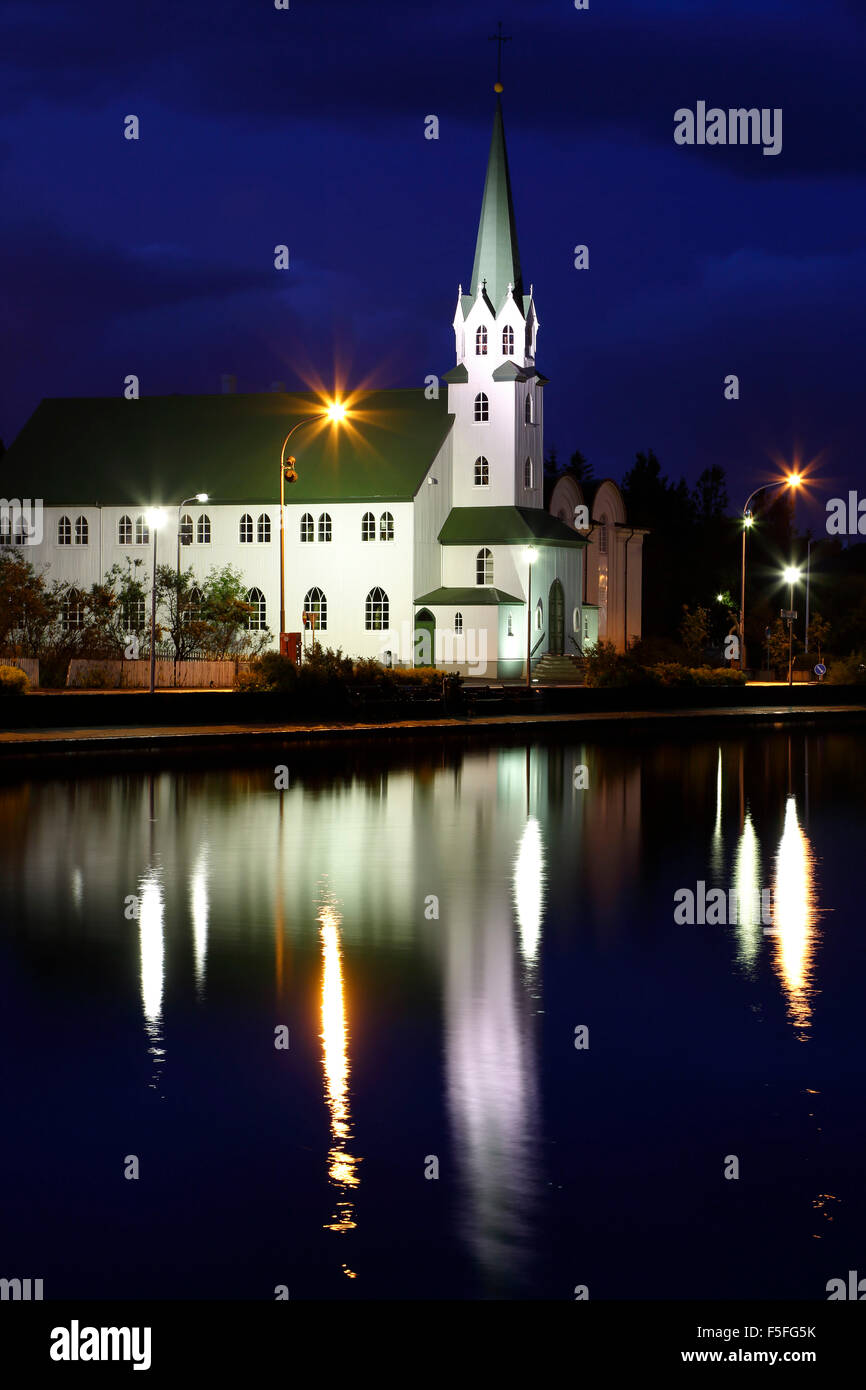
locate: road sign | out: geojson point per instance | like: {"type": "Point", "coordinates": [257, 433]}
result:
{"type": "Point", "coordinates": [820, 669]}
{"type": "Point", "coordinates": [789, 613]}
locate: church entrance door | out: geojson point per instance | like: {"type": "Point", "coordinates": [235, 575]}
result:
{"type": "Point", "coordinates": [424, 639]}
{"type": "Point", "coordinates": [556, 618]}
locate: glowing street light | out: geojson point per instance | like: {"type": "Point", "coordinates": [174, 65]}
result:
{"type": "Point", "coordinates": [530, 555]}
{"type": "Point", "coordinates": [336, 412]}
{"type": "Point", "coordinates": [155, 519]}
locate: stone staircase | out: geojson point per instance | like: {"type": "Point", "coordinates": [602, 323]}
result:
{"type": "Point", "coordinates": [557, 670]}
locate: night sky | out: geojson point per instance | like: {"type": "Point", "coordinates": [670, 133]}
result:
{"type": "Point", "coordinates": [306, 127]}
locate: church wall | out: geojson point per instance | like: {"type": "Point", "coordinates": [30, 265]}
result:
{"type": "Point", "coordinates": [431, 506]}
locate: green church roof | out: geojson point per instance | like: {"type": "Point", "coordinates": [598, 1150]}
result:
{"type": "Point", "coordinates": [496, 256]}
{"type": "Point", "coordinates": [505, 526]}
{"type": "Point", "coordinates": [483, 595]}
{"type": "Point", "coordinates": [161, 449]}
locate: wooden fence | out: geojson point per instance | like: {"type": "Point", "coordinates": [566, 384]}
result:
{"type": "Point", "coordinates": [28, 664]}
{"type": "Point", "coordinates": [135, 675]}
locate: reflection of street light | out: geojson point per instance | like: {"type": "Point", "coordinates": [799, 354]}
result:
{"type": "Point", "coordinates": [335, 412]}
{"type": "Point", "coordinates": [155, 519]}
{"type": "Point", "coordinates": [790, 576]}
{"type": "Point", "coordinates": [793, 480]}
{"type": "Point", "coordinates": [530, 555]}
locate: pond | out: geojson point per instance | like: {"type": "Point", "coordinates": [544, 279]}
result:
{"type": "Point", "coordinates": [430, 1021]}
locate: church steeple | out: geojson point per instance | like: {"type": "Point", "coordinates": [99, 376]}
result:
{"type": "Point", "coordinates": [496, 256]}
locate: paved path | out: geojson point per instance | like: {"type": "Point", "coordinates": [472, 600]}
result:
{"type": "Point", "coordinates": [36, 742]}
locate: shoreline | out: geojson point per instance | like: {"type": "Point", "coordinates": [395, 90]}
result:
{"type": "Point", "coordinates": [24, 748]}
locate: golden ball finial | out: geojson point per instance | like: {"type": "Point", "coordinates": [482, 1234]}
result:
{"type": "Point", "coordinates": [497, 87]}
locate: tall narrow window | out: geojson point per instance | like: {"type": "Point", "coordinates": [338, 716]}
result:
{"type": "Point", "coordinates": [316, 604]}
{"type": "Point", "coordinates": [386, 527]}
{"type": "Point", "coordinates": [482, 409]}
{"type": "Point", "coordinates": [64, 531]}
{"type": "Point", "coordinates": [602, 536]}
{"type": "Point", "coordinates": [142, 531]}
{"type": "Point", "coordinates": [376, 611]}
{"type": "Point", "coordinates": [458, 623]}
{"type": "Point", "coordinates": [245, 529]}
{"type": "Point", "coordinates": [481, 342]}
{"type": "Point", "coordinates": [133, 614]}
{"type": "Point", "coordinates": [82, 530]}
{"type": "Point", "coordinates": [324, 527]}
{"type": "Point", "coordinates": [527, 473]}
{"type": "Point", "coordinates": [484, 567]}
{"type": "Point", "coordinates": [539, 616]}
{"type": "Point", "coordinates": [368, 527]}
{"type": "Point", "coordinates": [72, 611]}
{"type": "Point", "coordinates": [482, 472]}
{"type": "Point", "coordinates": [510, 628]}
{"type": "Point", "coordinates": [527, 414]}
{"type": "Point", "coordinates": [186, 530]}
{"type": "Point", "coordinates": [5, 526]}
{"type": "Point", "coordinates": [307, 528]}
{"type": "Point", "coordinates": [257, 620]}
{"type": "Point", "coordinates": [202, 529]}
{"type": "Point", "coordinates": [263, 529]}
{"type": "Point", "coordinates": [508, 340]}
{"type": "Point", "coordinates": [124, 531]}
{"type": "Point", "coordinates": [193, 610]}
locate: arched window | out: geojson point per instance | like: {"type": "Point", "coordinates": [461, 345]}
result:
{"type": "Point", "coordinates": [307, 528]}
{"type": "Point", "coordinates": [193, 610]}
{"type": "Point", "coordinates": [134, 614]}
{"type": "Point", "coordinates": [508, 340]}
{"type": "Point", "coordinates": [245, 529]}
{"type": "Point", "coordinates": [64, 531]}
{"type": "Point", "coordinates": [377, 611]}
{"type": "Point", "coordinates": [482, 408]}
{"type": "Point", "coordinates": [368, 527]}
{"type": "Point", "coordinates": [82, 530]}
{"type": "Point", "coordinates": [142, 531]}
{"type": "Point", "coordinates": [527, 473]}
{"type": "Point", "coordinates": [484, 567]}
{"type": "Point", "coordinates": [124, 531]}
{"type": "Point", "coordinates": [482, 472]}
{"type": "Point", "coordinates": [386, 527]}
{"type": "Point", "coordinates": [263, 529]}
{"type": "Point", "coordinates": [72, 611]}
{"type": "Point", "coordinates": [324, 527]}
{"type": "Point", "coordinates": [510, 628]}
{"type": "Point", "coordinates": [481, 342]}
{"type": "Point", "coordinates": [539, 616]}
{"type": "Point", "coordinates": [458, 623]}
{"type": "Point", "coordinates": [202, 529]}
{"type": "Point", "coordinates": [186, 530]}
{"type": "Point", "coordinates": [6, 525]}
{"type": "Point", "coordinates": [602, 536]}
{"type": "Point", "coordinates": [316, 604]}
{"type": "Point", "coordinates": [527, 412]}
{"type": "Point", "coordinates": [257, 620]}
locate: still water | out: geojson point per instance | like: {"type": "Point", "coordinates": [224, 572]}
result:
{"type": "Point", "coordinates": [510, 1070]}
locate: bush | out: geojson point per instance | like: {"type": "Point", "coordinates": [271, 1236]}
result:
{"type": "Point", "coordinates": [13, 681]}
{"type": "Point", "coordinates": [604, 666]}
{"type": "Point", "coordinates": [674, 674]}
{"type": "Point", "coordinates": [849, 670]}
{"type": "Point", "coordinates": [96, 678]}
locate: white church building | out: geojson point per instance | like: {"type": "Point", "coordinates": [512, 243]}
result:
{"type": "Point", "coordinates": [416, 529]}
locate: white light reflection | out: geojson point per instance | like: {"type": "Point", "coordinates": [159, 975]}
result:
{"type": "Point", "coordinates": [747, 886]}
{"type": "Point", "coordinates": [717, 851]}
{"type": "Point", "coordinates": [152, 948]}
{"type": "Point", "coordinates": [199, 907]}
{"type": "Point", "coordinates": [794, 919]}
{"type": "Point", "coordinates": [529, 889]}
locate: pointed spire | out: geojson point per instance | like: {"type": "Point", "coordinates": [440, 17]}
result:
{"type": "Point", "coordinates": [496, 256]}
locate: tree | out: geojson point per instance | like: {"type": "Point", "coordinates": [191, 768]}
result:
{"type": "Point", "coordinates": [225, 614]}
{"type": "Point", "coordinates": [819, 632]}
{"type": "Point", "coordinates": [695, 632]}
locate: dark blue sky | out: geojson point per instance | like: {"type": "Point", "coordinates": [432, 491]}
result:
{"type": "Point", "coordinates": [306, 127]}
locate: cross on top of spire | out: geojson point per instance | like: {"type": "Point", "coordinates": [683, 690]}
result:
{"type": "Point", "coordinates": [500, 39]}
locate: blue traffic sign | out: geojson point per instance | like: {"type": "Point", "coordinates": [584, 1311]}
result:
{"type": "Point", "coordinates": [820, 669]}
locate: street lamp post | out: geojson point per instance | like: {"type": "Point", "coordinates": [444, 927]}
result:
{"type": "Point", "coordinates": [155, 519]}
{"type": "Point", "coordinates": [791, 576]}
{"type": "Point", "coordinates": [198, 497]}
{"type": "Point", "coordinates": [793, 480]}
{"type": "Point", "coordinates": [530, 555]}
{"type": "Point", "coordinates": [335, 412]}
